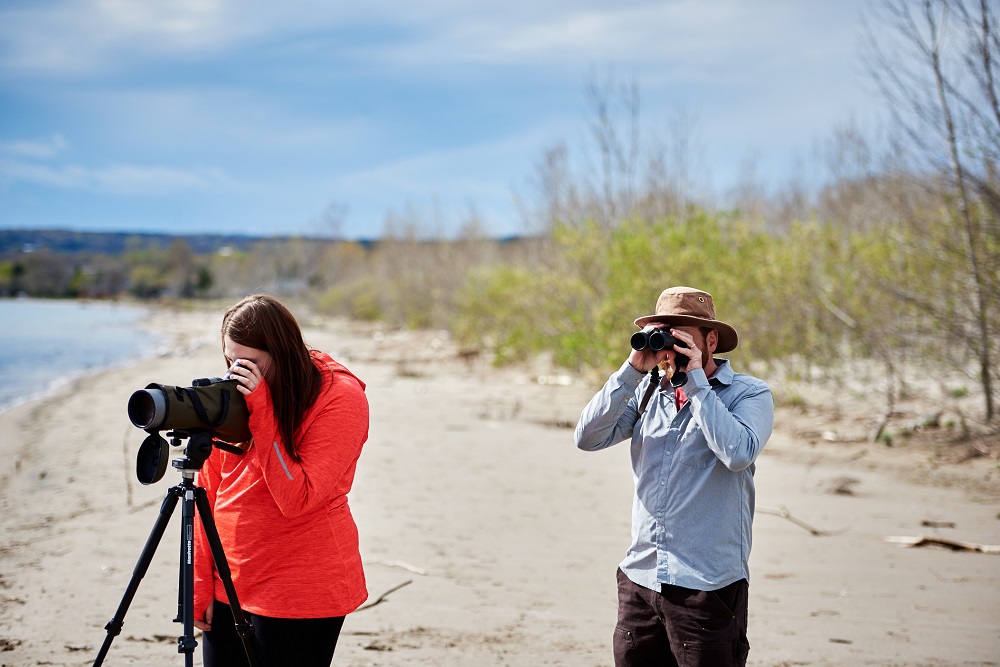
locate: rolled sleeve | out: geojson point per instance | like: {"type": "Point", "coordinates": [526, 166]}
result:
{"type": "Point", "coordinates": [736, 433]}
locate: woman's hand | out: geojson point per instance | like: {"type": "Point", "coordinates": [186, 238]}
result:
{"type": "Point", "coordinates": [205, 625]}
{"type": "Point", "coordinates": [247, 373]}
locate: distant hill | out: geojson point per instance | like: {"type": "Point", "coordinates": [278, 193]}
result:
{"type": "Point", "coordinates": [49, 263]}
{"type": "Point", "coordinates": [14, 241]}
{"type": "Point", "coordinates": [65, 242]}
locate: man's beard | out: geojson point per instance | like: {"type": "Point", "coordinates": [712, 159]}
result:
{"type": "Point", "coordinates": [668, 369]}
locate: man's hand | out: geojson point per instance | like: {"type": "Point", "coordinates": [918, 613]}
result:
{"type": "Point", "coordinates": [689, 349]}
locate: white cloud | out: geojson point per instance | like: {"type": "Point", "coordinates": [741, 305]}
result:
{"type": "Point", "coordinates": [94, 35]}
{"type": "Point", "coordinates": [461, 168]}
{"type": "Point", "coordinates": [303, 97]}
{"type": "Point", "coordinates": [684, 37]}
{"type": "Point", "coordinates": [623, 32]}
{"type": "Point", "coordinates": [34, 149]}
{"type": "Point", "coordinates": [91, 35]}
{"type": "Point", "coordinates": [121, 179]}
{"type": "Point", "coordinates": [227, 121]}
{"type": "Point", "coordinates": [181, 19]}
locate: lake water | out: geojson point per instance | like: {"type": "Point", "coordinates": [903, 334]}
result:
{"type": "Point", "coordinates": [47, 343]}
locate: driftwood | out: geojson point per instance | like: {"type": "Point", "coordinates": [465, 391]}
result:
{"type": "Point", "coordinates": [955, 545]}
{"type": "Point", "coordinates": [785, 514]}
{"type": "Point", "coordinates": [382, 598]}
{"type": "Point", "coordinates": [398, 563]}
{"type": "Point", "coordinates": [392, 563]}
{"type": "Point", "coordinates": [880, 426]}
{"type": "Point", "coordinates": [928, 421]}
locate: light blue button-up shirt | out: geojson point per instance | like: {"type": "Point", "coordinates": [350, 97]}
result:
{"type": "Point", "coordinates": [693, 472]}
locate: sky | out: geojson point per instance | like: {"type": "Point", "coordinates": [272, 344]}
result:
{"type": "Point", "coordinates": [303, 117]}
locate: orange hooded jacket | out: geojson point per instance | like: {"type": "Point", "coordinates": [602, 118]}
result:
{"type": "Point", "coordinates": [286, 528]}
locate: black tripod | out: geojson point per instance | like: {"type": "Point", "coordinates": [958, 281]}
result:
{"type": "Point", "coordinates": [198, 449]}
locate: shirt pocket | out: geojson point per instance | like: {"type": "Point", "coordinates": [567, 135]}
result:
{"type": "Point", "coordinates": [694, 453]}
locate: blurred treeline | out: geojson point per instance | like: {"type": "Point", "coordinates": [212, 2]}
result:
{"type": "Point", "coordinates": [886, 250]}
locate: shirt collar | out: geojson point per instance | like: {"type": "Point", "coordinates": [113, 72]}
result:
{"type": "Point", "coordinates": [723, 373]}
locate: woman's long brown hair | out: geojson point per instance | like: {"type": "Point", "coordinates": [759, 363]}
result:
{"type": "Point", "coordinates": [264, 323]}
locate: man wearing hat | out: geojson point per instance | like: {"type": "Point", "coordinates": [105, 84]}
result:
{"type": "Point", "coordinates": [682, 587]}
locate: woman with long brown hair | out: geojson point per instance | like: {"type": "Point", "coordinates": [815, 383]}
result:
{"type": "Point", "coordinates": [281, 506]}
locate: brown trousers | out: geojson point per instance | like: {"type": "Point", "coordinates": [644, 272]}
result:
{"type": "Point", "coordinates": [681, 627]}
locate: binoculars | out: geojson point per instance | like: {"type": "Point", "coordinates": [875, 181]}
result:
{"type": "Point", "coordinates": [656, 340]}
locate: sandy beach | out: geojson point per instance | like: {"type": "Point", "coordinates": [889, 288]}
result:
{"type": "Point", "coordinates": [489, 539]}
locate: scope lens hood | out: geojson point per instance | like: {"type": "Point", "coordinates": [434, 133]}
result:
{"type": "Point", "coordinates": [147, 408]}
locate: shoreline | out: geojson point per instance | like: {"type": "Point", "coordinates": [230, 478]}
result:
{"type": "Point", "coordinates": [470, 489]}
{"type": "Point", "coordinates": [145, 316]}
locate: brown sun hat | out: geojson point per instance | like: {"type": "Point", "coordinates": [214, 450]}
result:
{"type": "Point", "coordinates": [686, 306]}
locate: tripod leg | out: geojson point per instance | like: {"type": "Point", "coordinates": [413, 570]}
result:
{"type": "Point", "coordinates": [114, 626]}
{"type": "Point", "coordinates": [186, 643]}
{"type": "Point", "coordinates": [179, 618]}
{"type": "Point", "coordinates": [243, 626]}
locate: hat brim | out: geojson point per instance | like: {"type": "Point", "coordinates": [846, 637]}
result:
{"type": "Point", "coordinates": [728, 338]}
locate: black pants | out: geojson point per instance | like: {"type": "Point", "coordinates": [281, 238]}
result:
{"type": "Point", "coordinates": [681, 627]}
{"type": "Point", "coordinates": [281, 642]}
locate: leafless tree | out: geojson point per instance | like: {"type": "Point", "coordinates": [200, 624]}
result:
{"type": "Point", "coordinates": [622, 171]}
{"type": "Point", "coordinates": [618, 156]}
{"type": "Point", "coordinates": [672, 176]}
{"type": "Point", "coordinates": [934, 61]}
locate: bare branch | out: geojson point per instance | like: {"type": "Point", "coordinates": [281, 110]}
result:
{"type": "Point", "coordinates": [382, 598]}
{"type": "Point", "coordinates": [785, 514]}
